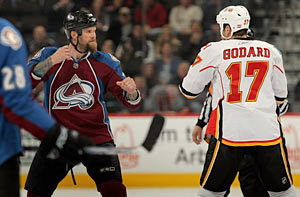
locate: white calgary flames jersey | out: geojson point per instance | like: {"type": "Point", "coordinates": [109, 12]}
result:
{"type": "Point", "coordinates": [246, 76]}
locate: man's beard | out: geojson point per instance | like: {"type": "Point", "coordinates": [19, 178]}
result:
{"type": "Point", "coordinates": [92, 47]}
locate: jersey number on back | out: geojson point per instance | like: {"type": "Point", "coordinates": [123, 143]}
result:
{"type": "Point", "coordinates": [13, 77]}
{"type": "Point", "coordinates": [256, 69]}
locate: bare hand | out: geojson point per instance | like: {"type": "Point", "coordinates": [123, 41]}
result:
{"type": "Point", "coordinates": [197, 134]}
{"type": "Point", "coordinates": [61, 54]}
{"type": "Point", "coordinates": [128, 85]}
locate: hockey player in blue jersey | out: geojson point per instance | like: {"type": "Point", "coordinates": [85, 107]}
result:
{"type": "Point", "coordinates": [17, 109]}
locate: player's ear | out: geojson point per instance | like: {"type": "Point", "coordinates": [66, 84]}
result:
{"type": "Point", "coordinates": [74, 34]}
{"type": "Point", "coordinates": [227, 30]}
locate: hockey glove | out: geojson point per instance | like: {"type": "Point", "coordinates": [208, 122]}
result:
{"type": "Point", "coordinates": [282, 105]}
{"type": "Point", "coordinates": [60, 141]}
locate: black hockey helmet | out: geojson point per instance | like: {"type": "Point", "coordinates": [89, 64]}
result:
{"type": "Point", "coordinates": [76, 21]}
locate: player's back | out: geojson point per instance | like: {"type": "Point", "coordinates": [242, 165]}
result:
{"type": "Point", "coordinates": [246, 77]}
{"type": "Point", "coordinates": [247, 70]}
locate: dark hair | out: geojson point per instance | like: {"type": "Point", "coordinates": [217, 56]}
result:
{"type": "Point", "coordinates": [241, 32]}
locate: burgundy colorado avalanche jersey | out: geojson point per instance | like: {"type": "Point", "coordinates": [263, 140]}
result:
{"type": "Point", "coordinates": [74, 91]}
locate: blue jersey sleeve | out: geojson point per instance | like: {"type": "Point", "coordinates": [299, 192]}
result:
{"type": "Point", "coordinates": [16, 102]}
{"type": "Point", "coordinates": [115, 74]}
{"type": "Point", "coordinates": [40, 56]}
{"type": "Point", "coordinates": [110, 61]}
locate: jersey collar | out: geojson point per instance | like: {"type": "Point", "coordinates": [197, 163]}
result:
{"type": "Point", "coordinates": [82, 58]}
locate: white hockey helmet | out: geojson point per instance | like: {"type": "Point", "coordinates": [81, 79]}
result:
{"type": "Point", "coordinates": [237, 17]}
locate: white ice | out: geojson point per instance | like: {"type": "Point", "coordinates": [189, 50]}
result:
{"type": "Point", "coordinates": [141, 192]}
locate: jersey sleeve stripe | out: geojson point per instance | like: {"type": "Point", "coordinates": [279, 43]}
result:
{"type": "Point", "coordinates": [206, 68]}
{"type": "Point", "coordinates": [279, 68]}
{"type": "Point", "coordinates": [22, 122]}
{"type": "Point", "coordinates": [186, 93]}
{"type": "Point", "coordinates": [35, 80]}
{"type": "Point", "coordinates": [35, 77]}
{"type": "Point", "coordinates": [278, 99]}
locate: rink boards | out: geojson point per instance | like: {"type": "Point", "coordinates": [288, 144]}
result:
{"type": "Point", "coordinates": [175, 161]}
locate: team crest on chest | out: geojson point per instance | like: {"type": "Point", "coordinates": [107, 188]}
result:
{"type": "Point", "coordinates": [76, 92]}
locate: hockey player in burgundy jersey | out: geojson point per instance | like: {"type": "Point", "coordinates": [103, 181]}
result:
{"type": "Point", "coordinates": [76, 77]}
{"type": "Point", "coordinates": [248, 80]}
{"type": "Point", "coordinates": [19, 110]}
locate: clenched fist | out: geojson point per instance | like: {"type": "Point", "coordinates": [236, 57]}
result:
{"type": "Point", "coordinates": [129, 86]}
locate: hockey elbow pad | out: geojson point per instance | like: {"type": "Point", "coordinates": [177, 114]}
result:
{"type": "Point", "coordinates": [59, 140]}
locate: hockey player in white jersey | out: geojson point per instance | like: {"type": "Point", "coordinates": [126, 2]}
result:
{"type": "Point", "coordinates": [248, 80]}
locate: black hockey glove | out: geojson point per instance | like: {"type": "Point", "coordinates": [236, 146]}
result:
{"type": "Point", "coordinates": [60, 141]}
{"type": "Point", "coordinates": [282, 105]}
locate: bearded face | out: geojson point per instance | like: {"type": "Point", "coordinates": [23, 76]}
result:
{"type": "Point", "coordinates": [92, 46]}
{"type": "Point", "coordinates": [87, 41]}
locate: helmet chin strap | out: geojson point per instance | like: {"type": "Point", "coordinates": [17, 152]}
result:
{"type": "Point", "coordinates": [75, 45]}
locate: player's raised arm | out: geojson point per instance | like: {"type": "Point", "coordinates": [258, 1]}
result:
{"type": "Point", "coordinates": [45, 59]}
{"type": "Point", "coordinates": [61, 54]}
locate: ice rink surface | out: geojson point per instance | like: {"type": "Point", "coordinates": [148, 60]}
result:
{"type": "Point", "coordinates": [141, 192]}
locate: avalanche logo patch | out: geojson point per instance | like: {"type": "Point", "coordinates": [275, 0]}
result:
{"type": "Point", "coordinates": [10, 37]}
{"type": "Point", "coordinates": [76, 92]}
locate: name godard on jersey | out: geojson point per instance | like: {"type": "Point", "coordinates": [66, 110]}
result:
{"type": "Point", "coordinates": [76, 92]}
